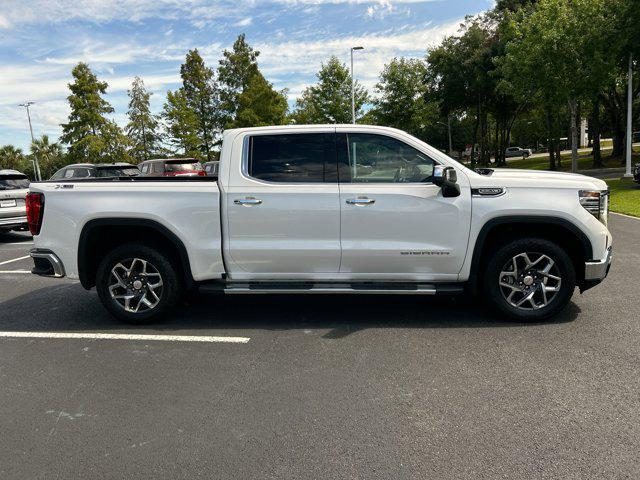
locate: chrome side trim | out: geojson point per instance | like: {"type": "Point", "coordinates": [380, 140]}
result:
{"type": "Point", "coordinates": [323, 289]}
{"type": "Point", "coordinates": [598, 270]}
{"type": "Point", "coordinates": [54, 261]}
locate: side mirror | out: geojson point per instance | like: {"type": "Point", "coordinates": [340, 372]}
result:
{"type": "Point", "coordinates": [447, 179]}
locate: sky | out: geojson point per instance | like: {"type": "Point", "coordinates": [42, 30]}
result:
{"type": "Point", "coordinates": [41, 41]}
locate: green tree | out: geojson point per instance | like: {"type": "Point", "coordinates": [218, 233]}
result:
{"type": "Point", "coordinates": [237, 68]}
{"type": "Point", "coordinates": [91, 136]}
{"type": "Point", "coordinates": [201, 97]}
{"type": "Point", "coordinates": [459, 77]}
{"type": "Point", "coordinates": [142, 128]}
{"type": "Point", "coordinates": [50, 155]}
{"type": "Point", "coordinates": [402, 99]}
{"type": "Point", "coordinates": [13, 158]}
{"type": "Point", "coordinates": [513, 5]}
{"type": "Point", "coordinates": [181, 124]}
{"type": "Point", "coordinates": [329, 100]}
{"type": "Point", "coordinates": [563, 51]}
{"type": "Point", "coordinates": [259, 104]}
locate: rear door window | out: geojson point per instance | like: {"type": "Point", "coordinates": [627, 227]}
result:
{"type": "Point", "coordinates": [293, 158]}
{"type": "Point", "coordinates": [81, 173]}
{"type": "Point", "coordinates": [183, 166]}
{"type": "Point", "coordinates": [13, 182]}
{"type": "Point", "coordinates": [58, 175]}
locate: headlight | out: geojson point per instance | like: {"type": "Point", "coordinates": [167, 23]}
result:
{"type": "Point", "coordinates": [596, 202]}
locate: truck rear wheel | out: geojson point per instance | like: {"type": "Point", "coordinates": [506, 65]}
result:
{"type": "Point", "coordinates": [529, 279]}
{"type": "Point", "coordinates": [137, 284]}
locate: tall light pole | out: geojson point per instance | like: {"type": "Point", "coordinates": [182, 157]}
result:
{"type": "Point", "coordinates": [353, 87]}
{"type": "Point", "coordinates": [448, 125]}
{"type": "Point", "coordinates": [36, 166]}
{"type": "Point", "coordinates": [629, 118]}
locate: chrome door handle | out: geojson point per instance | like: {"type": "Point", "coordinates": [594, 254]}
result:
{"type": "Point", "coordinates": [247, 201]}
{"type": "Point", "coordinates": [361, 201]}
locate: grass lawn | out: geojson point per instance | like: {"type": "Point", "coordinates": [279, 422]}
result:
{"type": "Point", "coordinates": [625, 196]}
{"type": "Point", "coordinates": [585, 162]}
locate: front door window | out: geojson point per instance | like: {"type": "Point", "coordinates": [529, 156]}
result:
{"type": "Point", "coordinates": [382, 159]}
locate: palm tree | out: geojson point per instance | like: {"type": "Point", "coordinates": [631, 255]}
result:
{"type": "Point", "coordinates": [12, 158]}
{"type": "Point", "coordinates": [50, 155]}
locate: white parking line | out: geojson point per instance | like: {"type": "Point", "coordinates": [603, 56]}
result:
{"type": "Point", "coordinates": [15, 271]}
{"type": "Point", "coordinates": [125, 336]}
{"type": "Point", "coordinates": [15, 260]}
{"type": "Point", "coordinates": [17, 243]}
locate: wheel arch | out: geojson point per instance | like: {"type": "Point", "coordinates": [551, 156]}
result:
{"type": "Point", "coordinates": [99, 236]}
{"type": "Point", "coordinates": [502, 229]}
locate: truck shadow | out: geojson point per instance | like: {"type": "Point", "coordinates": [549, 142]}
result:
{"type": "Point", "coordinates": [68, 307]}
{"type": "Point", "coordinates": [14, 237]}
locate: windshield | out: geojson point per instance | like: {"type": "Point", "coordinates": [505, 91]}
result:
{"type": "Point", "coordinates": [13, 182]}
{"type": "Point", "coordinates": [118, 172]}
{"type": "Point", "coordinates": [181, 167]}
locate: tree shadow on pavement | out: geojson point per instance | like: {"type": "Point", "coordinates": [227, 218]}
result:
{"type": "Point", "coordinates": [68, 307]}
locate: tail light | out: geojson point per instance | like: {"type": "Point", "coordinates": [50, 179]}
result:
{"type": "Point", "coordinates": [35, 210]}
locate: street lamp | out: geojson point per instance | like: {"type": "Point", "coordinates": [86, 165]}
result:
{"type": "Point", "coordinates": [36, 166]}
{"type": "Point", "coordinates": [353, 87]}
{"type": "Point", "coordinates": [448, 125]}
{"type": "Point", "coordinates": [629, 152]}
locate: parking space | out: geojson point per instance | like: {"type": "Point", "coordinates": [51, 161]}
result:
{"type": "Point", "coordinates": [320, 387]}
{"type": "Point", "coordinates": [14, 251]}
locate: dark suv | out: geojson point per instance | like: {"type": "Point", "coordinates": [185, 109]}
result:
{"type": "Point", "coordinates": [172, 167]}
{"type": "Point", "coordinates": [100, 170]}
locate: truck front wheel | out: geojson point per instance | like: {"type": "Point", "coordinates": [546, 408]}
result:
{"type": "Point", "coordinates": [137, 284]}
{"type": "Point", "coordinates": [529, 279]}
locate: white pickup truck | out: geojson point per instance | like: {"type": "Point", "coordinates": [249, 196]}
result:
{"type": "Point", "coordinates": [326, 209]}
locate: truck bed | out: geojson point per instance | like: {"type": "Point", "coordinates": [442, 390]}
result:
{"type": "Point", "coordinates": [188, 207]}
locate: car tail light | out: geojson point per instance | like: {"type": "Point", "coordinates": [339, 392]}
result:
{"type": "Point", "coordinates": [35, 210]}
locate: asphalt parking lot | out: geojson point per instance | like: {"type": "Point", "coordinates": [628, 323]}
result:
{"type": "Point", "coordinates": [320, 387]}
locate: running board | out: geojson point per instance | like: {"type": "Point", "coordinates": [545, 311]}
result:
{"type": "Point", "coordinates": [336, 288]}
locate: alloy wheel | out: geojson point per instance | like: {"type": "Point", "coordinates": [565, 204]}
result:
{"type": "Point", "coordinates": [530, 281]}
{"type": "Point", "coordinates": [135, 285]}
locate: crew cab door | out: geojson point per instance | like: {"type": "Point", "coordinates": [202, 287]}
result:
{"type": "Point", "coordinates": [395, 223]}
{"type": "Point", "coordinates": [282, 206]}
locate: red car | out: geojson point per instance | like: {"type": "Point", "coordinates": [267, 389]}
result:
{"type": "Point", "coordinates": [172, 167]}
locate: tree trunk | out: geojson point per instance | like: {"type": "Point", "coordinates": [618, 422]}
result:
{"type": "Point", "coordinates": [573, 108]}
{"type": "Point", "coordinates": [474, 138]}
{"type": "Point", "coordinates": [550, 137]}
{"type": "Point", "coordinates": [496, 156]}
{"type": "Point", "coordinates": [594, 131]}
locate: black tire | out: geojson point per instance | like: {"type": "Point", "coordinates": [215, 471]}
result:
{"type": "Point", "coordinates": [169, 293]}
{"type": "Point", "coordinates": [497, 295]}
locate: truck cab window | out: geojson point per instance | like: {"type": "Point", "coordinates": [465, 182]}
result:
{"type": "Point", "coordinates": [292, 158]}
{"type": "Point", "coordinates": [381, 159]}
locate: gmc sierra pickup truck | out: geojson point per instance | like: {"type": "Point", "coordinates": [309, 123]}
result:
{"type": "Point", "coordinates": [326, 209]}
